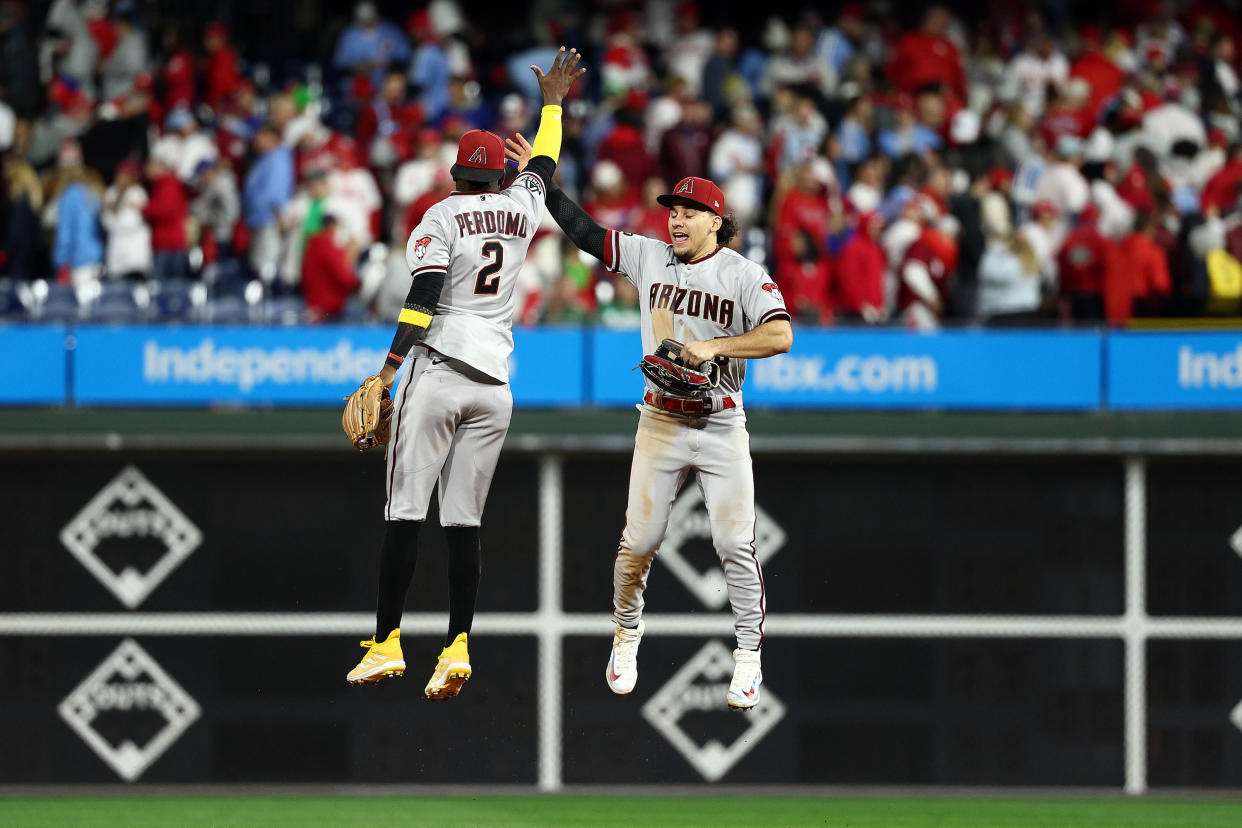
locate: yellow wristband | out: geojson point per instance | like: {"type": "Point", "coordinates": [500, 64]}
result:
{"type": "Point", "coordinates": [548, 139]}
{"type": "Point", "coordinates": [416, 318]}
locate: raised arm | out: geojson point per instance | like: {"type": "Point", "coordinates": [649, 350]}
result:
{"type": "Point", "coordinates": [555, 85]}
{"type": "Point", "coordinates": [573, 220]}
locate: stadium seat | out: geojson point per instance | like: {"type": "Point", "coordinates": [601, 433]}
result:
{"type": "Point", "coordinates": [54, 303]}
{"type": "Point", "coordinates": [227, 277]}
{"type": "Point", "coordinates": [13, 305]}
{"type": "Point", "coordinates": [284, 310]}
{"type": "Point", "coordinates": [115, 304]}
{"type": "Point", "coordinates": [178, 301]}
{"type": "Point", "coordinates": [229, 310]}
{"type": "Point", "coordinates": [354, 312]}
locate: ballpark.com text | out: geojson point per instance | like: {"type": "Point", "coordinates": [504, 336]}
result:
{"type": "Point", "coordinates": [851, 374]}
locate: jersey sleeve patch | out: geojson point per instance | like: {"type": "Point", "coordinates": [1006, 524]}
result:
{"type": "Point", "coordinates": [531, 182]}
{"type": "Point", "coordinates": [420, 247]}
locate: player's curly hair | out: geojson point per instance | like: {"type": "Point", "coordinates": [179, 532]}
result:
{"type": "Point", "coordinates": [728, 229]}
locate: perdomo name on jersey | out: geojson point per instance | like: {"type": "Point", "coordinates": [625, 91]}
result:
{"type": "Point", "coordinates": [698, 303]}
{"type": "Point", "coordinates": [475, 222]}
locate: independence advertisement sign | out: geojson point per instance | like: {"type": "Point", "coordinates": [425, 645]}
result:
{"type": "Point", "coordinates": [201, 365]}
{"type": "Point", "coordinates": [279, 366]}
{"type": "Point", "coordinates": [1175, 370]}
{"type": "Point", "coordinates": [948, 369]}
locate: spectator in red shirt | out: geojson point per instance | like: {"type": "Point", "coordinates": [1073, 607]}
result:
{"type": "Point", "coordinates": [858, 283]}
{"type": "Point", "coordinates": [1143, 185]}
{"type": "Point", "coordinates": [220, 67]}
{"type": "Point", "coordinates": [328, 279]}
{"type": "Point", "coordinates": [624, 146]}
{"type": "Point", "coordinates": [1067, 114]}
{"type": "Point", "coordinates": [1100, 71]}
{"type": "Point", "coordinates": [167, 212]}
{"type": "Point", "coordinates": [927, 56]}
{"type": "Point", "coordinates": [387, 128]}
{"type": "Point", "coordinates": [926, 274]}
{"type": "Point", "coordinates": [441, 186]}
{"type": "Point", "coordinates": [652, 218]}
{"type": "Point", "coordinates": [1082, 265]}
{"type": "Point", "coordinates": [800, 237]}
{"type": "Point", "coordinates": [1223, 189]}
{"type": "Point", "coordinates": [177, 75]}
{"type": "Point", "coordinates": [612, 202]}
{"type": "Point", "coordinates": [684, 148]}
{"type": "Point", "coordinates": [1139, 282]}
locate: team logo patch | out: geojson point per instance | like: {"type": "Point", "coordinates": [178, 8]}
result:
{"type": "Point", "coordinates": [479, 156]}
{"type": "Point", "coordinates": [771, 288]}
{"type": "Point", "coordinates": [686, 186]}
{"type": "Point", "coordinates": [420, 246]}
{"type": "Point", "coordinates": [532, 183]}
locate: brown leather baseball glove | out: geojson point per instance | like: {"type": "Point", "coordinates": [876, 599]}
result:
{"type": "Point", "coordinates": [367, 420]}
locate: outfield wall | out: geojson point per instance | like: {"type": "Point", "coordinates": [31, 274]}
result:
{"type": "Point", "coordinates": [1069, 619]}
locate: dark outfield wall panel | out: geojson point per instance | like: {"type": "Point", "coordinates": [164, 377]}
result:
{"type": "Point", "coordinates": [940, 535]}
{"type": "Point", "coordinates": [284, 534]}
{"type": "Point", "coordinates": [1192, 689]}
{"type": "Point", "coordinates": [908, 712]}
{"type": "Point", "coordinates": [264, 709]}
{"type": "Point", "coordinates": [1194, 509]}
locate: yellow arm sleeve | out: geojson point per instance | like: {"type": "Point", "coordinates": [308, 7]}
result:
{"type": "Point", "coordinates": [548, 139]}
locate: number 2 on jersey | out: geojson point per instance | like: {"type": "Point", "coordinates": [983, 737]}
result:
{"type": "Point", "coordinates": [487, 282]}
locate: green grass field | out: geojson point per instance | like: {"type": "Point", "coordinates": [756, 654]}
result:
{"type": "Point", "coordinates": [545, 812]}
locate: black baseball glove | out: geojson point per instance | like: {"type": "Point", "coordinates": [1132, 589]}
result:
{"type": "Point", "coordinates": [669, 371]}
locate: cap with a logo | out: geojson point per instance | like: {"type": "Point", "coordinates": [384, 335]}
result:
{"type": "Point", "coordinates": [480, 157]}
{"type": "Point", "coordinates": [698, 190]}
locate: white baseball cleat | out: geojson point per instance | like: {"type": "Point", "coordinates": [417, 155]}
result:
{"type": "Point", "coordinates": [747, 676]}
{"type": "Point", "coordinates": [622, 670]}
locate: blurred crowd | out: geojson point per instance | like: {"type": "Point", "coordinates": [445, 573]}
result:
{"type": "Point", "coordinates": [1038, 163]}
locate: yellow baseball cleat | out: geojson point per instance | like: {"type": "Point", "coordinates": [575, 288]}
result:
{"type": "Point", "coordinates": [452, 670]}
{"type": "Point", "coordinates": [383, 659]}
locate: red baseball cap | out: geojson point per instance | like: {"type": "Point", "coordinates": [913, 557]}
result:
{"type": "Point", "coordinates": [699, 191]}
{"type": "Point", "coordinates": [480, 157]}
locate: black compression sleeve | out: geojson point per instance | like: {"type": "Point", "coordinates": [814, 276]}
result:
{"type": "Point", "coordinates": [420, 304]}
{"type": "Point", "coordinates": [542, 166]}
{"type": "Point", "coordinates": [576, 222]}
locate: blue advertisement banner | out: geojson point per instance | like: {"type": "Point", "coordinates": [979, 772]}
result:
{"type": "Point", "coordinates": [32, 371]}
{"type": "Point", "coordinates": [828, 368]}
{"type": "Point", "coordinates": [891, 369]}
{"type": "Point", "coordinates": [158, 365]}
{"type": "Point", "coordinates": [1174, 370]}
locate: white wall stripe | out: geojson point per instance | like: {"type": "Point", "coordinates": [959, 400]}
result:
{"type": "Point", "coordinates": [53, 624]}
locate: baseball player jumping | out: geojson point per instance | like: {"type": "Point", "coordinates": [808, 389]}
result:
{"type": "Point", "coordinates": [726, 310]}
{"type": "Point", "coordinates": [451, 415]}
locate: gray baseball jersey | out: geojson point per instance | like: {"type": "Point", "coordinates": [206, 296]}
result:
{"type": "Point", "coordinates": [724, 294]}
{"type": "Point", "coordinates": [454, 404]}
{"type": "Point", "coordinates": [479, 240]}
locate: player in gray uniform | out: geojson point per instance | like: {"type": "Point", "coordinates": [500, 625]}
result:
{"type": "Point", "coordinates": [724, 308]}
{"type": "Point", "coordinates": [452, 412]}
